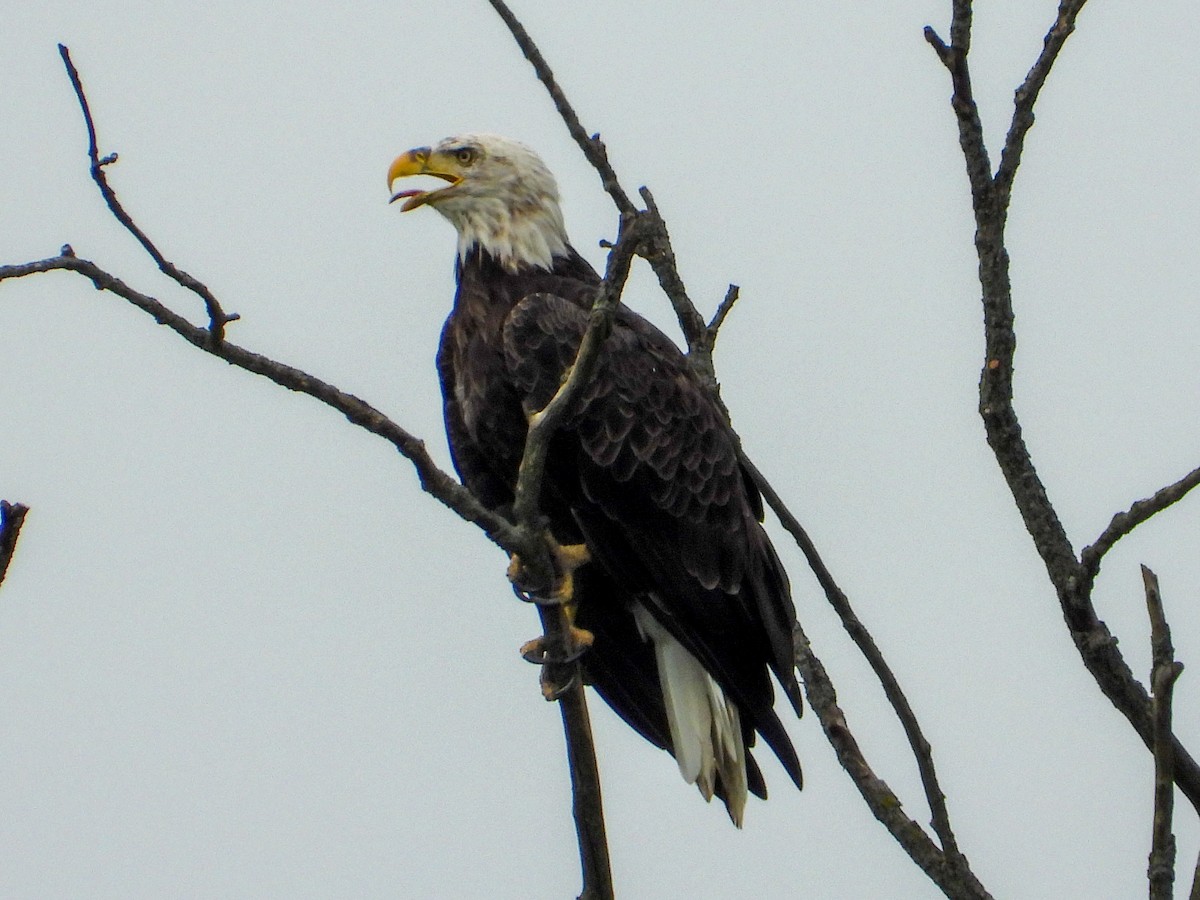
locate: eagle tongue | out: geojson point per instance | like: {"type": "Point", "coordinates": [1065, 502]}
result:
{"type": "Point", "coordinates": [402, 194]}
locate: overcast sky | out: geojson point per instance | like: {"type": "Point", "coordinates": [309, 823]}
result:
{"type": "Point", "coordinates": [242, 655]}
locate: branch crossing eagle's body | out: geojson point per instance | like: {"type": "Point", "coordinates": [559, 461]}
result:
{"type": "Point", "coordinates": [688, 603]}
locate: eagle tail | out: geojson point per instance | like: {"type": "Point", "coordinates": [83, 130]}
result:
{"type": "Point", "coordinates": [706, 730]}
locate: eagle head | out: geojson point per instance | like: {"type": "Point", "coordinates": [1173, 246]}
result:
{"type": "Point", "coordinates": [500, 197]}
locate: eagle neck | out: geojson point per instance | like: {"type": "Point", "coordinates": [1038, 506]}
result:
{"type": "Point", "coordinates": [506, 286]}
{"type": "Point", "coordinates": [529, 233]}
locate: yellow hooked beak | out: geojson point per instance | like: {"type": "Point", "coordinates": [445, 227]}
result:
{"type": "Point", "coordinates": [421, 161]}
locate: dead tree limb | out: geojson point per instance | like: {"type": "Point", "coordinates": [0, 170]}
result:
{"type": "Point", "coordinates": [921, 748]}
{"type": "Point", "coordinates": [1163, 673]}
{"type": "Point", "coordinates": [1071, 576]}
{"type": "Point", "coordinates": [951, 875]}
{"type": "Point", "coordinates": [1124, 522]}
{"type": "Point", "coordinates": [217, 317]}
{"type": "Point", "coordinates": [592, 147]}
{"type": "Point", "coordinates": [585, 774]}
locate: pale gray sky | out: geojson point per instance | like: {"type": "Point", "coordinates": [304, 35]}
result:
{"type": "Point", "coordinates": [243, 656]}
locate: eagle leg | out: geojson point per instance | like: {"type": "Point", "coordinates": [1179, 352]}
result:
{"type": "Point", "coordinates": [574, 641]}
{"type": "Point", "coordinates": [551, 689]}
{"type": "Point", "coordinates": [566, 559]}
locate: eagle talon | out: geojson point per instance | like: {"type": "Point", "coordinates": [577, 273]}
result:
{"type": "Point", "coordinates": [581, 637]}
{"type": "Point", "coordinates": [566, 558]}
{"type": "Point", "coordinates": [534, 651]}
{"type": "Point", "coordinates": [579, 641]}
{"type": "Point", "coordinates": [552, 691]}
{"type": "Point", "coordinates": [536, 599]}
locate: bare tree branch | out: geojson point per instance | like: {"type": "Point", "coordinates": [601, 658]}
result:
{"type": "Point", "coordinates": [990, 198]}
{"type": "Point", "coordinates": [1027, 94]}
{"type": "Point", "coordinates": [659, 253]}
{"type": "Point", "coordinates": [870, 651]}
{"type": "Point", "coordinates": [217, 318]}
{"type": "Point", "coordinates": [12, 517]}
{"type": "Point", "coordinates": [1165, 670]}
{"type": "Point", "coordinates": [433, 479]}
{"type": "Point", "coordinates": [1124, 522]}
{"type": "Point", "coordinates": [656, 248]}
{"type": "Point", "coordinates": [718, 319]}
{"type": "Point", "coordinates": [592, 147]}
{"type": "Point", "coordinates": [543, 424]}
{"type": "Point", "coordinates": [955, 881]}
{"type": "Point", "coordinates": [585, 776]}
{"type": "Point", "coordinates": [586, 804]}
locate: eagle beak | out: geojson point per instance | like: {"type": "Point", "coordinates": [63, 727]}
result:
{"type": "Point", "coordinates": [416, 162]}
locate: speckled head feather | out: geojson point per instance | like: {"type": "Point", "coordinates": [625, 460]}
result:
{"type": "Point", "coordinates": [501, 197]}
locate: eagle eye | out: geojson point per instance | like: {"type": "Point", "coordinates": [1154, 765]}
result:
{"type": "Point", "coordinates": [465, 155]}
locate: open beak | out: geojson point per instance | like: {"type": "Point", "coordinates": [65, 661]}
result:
{"type": "Point", "coordinates": [417, 162]}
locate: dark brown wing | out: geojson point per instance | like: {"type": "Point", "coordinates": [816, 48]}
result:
{"type": "Point", "coordinates": [485, 474]}
{"type": "Point", "coordinates": [649, 472]}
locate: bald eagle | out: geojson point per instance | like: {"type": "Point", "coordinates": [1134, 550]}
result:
{"type": "Point", "coordinates": [687, 601]}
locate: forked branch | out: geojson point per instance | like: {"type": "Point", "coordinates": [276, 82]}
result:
{"type": "Point", "coordinates": [1071, 576]}
{"type": "Point", "coordinates": [1124, 522]}
{"type": "Point", "coordinates": [217, 317]}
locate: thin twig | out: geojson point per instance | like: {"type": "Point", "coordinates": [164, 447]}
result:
{"type": "Point", "coordinates": [1124, 522]}
{"type": "Point", "coordinates": [12, 517]}
{"type": "Point", "coordinates": [656, 248]}
{"type": "Point", "coordinates": [970, 129]}
{"type": "Point", "coordinates": [592, 147]}
{"type": "Point", "coordinates": [1165, 670]}
{"type": "Point", "coordinates": [1027, 94]}
{"type": "Point", "coordinates": [656, 245]}
{"type": "Point", "coordinates": [217, 318]}
{"type": "Point", "coordinates": [718, 319]}
{"type": "Point", "coordinates": [587, 806]}
{"type": "Point", "coordinates": [657, 251]}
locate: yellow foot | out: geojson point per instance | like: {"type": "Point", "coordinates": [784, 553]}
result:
{"type": "Point", "coordinates": [555, 654]}
{"type": "Point", "coordinates": [578, 640]}
{"type": "Point", "coordinates": [552, 691]}
{"type": "Point", "coordinates": [536, 651]}
{"type": "Point", "coordinates": [514, 568]}
{"type": "Point", "coordinates": [566, 557]}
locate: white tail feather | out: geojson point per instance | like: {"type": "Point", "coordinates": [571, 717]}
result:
{"type": "Point", "coordinates": [706, 730]}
